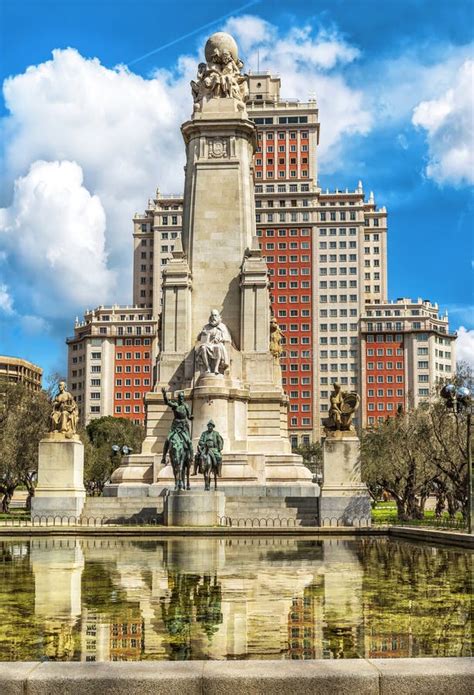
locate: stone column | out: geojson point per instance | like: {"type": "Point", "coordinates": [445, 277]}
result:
{"type": "Point", "coordinates": [60, 491]}
{"type": "Point", "coordinates": [255, 304]}
{"type": "Point", "coordinates": [219, 208]}
{"type": "Point", "coordinates": [344, 497]}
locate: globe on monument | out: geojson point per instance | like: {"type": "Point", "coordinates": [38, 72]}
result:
{"type": "Point", "coordinates": [221, 41]}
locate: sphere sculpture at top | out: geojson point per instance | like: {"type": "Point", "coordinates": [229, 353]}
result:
{"type": "Point", "coordinates": [220, 76]}
{"type": "Point", "coordinates": [219, 42]}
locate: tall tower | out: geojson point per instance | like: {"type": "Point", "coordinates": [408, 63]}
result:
{"type": "Point", "coordinates": [215, 328]}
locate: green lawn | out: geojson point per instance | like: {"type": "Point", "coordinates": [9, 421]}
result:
{"type": "Point", "coordinates": [386, 513]}
{"type": "Point", "coordinates": [15, 514]}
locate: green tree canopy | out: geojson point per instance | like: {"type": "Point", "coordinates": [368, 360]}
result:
{"type": "Point", "coordinates": [98, 438]}
{"type": "Point", "coordinates": [24, 420]}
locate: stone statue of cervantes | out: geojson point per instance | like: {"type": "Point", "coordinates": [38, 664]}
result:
{"type": "Point", "coordinates": [64, 415]}
{"type": "Point", "coordinates": [212, 355]}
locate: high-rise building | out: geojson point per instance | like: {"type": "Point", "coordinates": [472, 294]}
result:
{"type": "Point", "coordinates": [16, 370]}
{"type": "Point", "coordinates": [110, 362]}
{"type": "Point", "coordinates": [406, 349]}
{"type": "Point", "coordinates": [326, 252]}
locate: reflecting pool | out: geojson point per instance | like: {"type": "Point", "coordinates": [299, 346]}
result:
{"type": "Point", "coordinates": [104, 599]}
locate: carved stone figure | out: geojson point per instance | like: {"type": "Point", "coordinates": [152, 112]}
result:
{"type": "Point", "coordinates": [343, 405]}
{"type": "Point", "coordinates": [211, 354]}
{"type": "Point", "coordinates": [64, 414]}
{"type": "Point", "coordinates": [276, 336]}
{"type": "Point", "coordinates": [178, 442]}
{"type": "Point", "coordinates": [208, 459]}
{"type": "Point", "coordinates": [221, 75]}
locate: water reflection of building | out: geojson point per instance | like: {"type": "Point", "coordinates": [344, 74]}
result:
{"type": "Point", "coordinates": [95, 637]}
{"type": "Point", "coordinates": [127, 636]}
{"type": "Point", "coordinates": [387, 646]}
{"type": "Point", "coordinates": [305, 625]}
{"type": "Point", "coordinates": [116, 637]}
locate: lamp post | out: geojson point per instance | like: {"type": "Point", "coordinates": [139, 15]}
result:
{"type": "Point", "coordinates": [459, 400]}
{"type": "Point", "coordinates": [124, 450]}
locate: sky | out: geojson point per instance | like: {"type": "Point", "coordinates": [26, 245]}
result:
{"type": "Point", "coordinates": [93, 95]}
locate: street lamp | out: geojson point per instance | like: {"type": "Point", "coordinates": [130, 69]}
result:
{"type": "Point", "coordinates": [459, 399]}
{"type": "Point", "coordinates": [124, 450]}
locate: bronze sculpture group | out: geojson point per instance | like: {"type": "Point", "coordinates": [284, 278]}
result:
{"type": "Point", "coordinates": [178, 446]}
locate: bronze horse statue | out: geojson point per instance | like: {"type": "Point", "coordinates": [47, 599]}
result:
{"type": "Point", "coordinates": [180, 462]}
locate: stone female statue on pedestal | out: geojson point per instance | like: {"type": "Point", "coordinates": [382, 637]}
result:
{"type": "Point", "coordinates": [64, 415]}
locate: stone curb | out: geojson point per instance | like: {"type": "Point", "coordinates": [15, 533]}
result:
{"type": "Point", "coordinates": [462, 540]}
{"type": "Point", "coordinates": [444, 676]}
{"type": "Point", "coordinates": [428, 676]}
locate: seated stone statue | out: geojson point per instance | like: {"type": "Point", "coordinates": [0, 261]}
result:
{"type": "Point", "coordinates": [343, 405]}
{"type": "Point", "coordinates": [211, 355]}
{"type": "Point", "coordinates": [64, 415]}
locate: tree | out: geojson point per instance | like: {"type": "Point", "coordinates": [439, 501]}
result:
{"type": "Point", "coordinates": [395, 458]}
{"type": "Point", "coordinates": [312, 456]}
{"type": "Point", "coordinates": [419, 453]}
{"type": "Point", "coordinates": [98, 438]}
{"type": "Point", "coordinates": [447, 446]}
{"type": "Point", "coordinates": [24, 420]}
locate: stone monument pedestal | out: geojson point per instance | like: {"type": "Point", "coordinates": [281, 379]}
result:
{"type": "Point", "coordinates": [60, 491]}
{"type": "Point", "coordinates": [194, 507]}
{"type": "Point", "coordinates": [344, 497]}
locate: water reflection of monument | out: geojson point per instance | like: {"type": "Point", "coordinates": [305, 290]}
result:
{"type": "Point", "coordinates": [196, 598]}
{"type": "Point", "coordinates": [57, 567]}
{"type": "Point", "coordinates": [194, 601]}
{"type": "Point", "coordinates": [112, 599]}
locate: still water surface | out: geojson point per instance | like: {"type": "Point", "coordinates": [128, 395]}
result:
{"type": "Point", "coordinates": [242, 598]}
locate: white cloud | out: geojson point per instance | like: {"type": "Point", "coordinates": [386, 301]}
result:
{"type": "Point", "coordinates": [448, 121]}
{"type": "Point", "coordinates": [306, 65]}
{"type": "Point", "coordinates": [54, 232]}
{"type": "Point", "coordinates": [72, 114]}
{"type": "Point", "coordinates": [465, 346]}
{"type": "Point", "coordinates": [6, 302]}
{"type": "Point", "coordinates": [122, 129]}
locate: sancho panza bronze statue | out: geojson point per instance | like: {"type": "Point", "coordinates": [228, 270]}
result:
{"type": "Point", "coordinates": [208, 458]}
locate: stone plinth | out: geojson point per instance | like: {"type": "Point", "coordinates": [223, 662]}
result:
{"type": "Point", "coordinates": [132, 478]}
{"type": "Point", "coordinates": [60, 491]}
{"type": "Point", "coordinates": [194, 508]}
{"type": "Point", "coordinates": [344, 497]}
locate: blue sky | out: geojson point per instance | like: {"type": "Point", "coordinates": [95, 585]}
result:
{"type": "Point", "coordinates": [87, 142]}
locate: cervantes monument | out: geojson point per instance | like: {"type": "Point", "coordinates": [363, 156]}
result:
{"type": "Point", "coordinates": [216, 345]}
